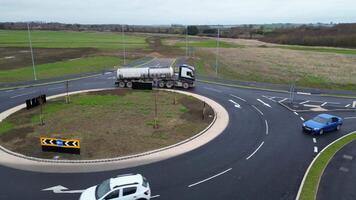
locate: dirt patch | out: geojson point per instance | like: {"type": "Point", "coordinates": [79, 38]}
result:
{"type": "Point", "coordinates": [109, 123]}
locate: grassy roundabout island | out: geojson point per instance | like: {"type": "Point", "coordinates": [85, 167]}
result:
{"type": "Point", "coordinates": [108, 124]}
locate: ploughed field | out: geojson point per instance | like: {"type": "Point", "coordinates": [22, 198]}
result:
{"type": "Point", "coordinates": [108, 123]}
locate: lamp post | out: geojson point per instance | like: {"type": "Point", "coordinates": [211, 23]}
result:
{"type": "Point", "coordinates": [217, 53]}
{"type": "Point", "coordinates": [33, 60]}
{"type": "Point", "coordinates": [123, 42]}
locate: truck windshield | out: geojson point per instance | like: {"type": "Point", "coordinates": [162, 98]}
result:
{"type": "Point", "coordinates": [102, 189]}
{"type": "Point", "coordinates": [320, 120]}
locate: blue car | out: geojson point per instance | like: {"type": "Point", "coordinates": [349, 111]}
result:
{"type": "Point", "coordinates": [322, 123]}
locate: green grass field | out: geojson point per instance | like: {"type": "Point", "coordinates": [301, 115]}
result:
{"type": "Point", "coordinates": [208, 44]}
{"type": "Point", "coordinates": [311, 184]}
{"type": "Point", "coordinates": [319, 49]}
{"type": "Point", "coordinates": [67, 39]}
{"type": "Point", "coordinates": [77, 66]}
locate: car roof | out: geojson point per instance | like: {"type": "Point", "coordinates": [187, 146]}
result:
{"type": "Point", "coordinates": [327, 116]}
{"type": "Point", "coordinates": [125, 180]}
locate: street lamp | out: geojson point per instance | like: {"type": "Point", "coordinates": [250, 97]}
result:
{"type": "Point", "coordinates": [217, 52]}
{"type": "Point", "coordinates": [33, 60]}
{"type": "Point", "coordinates": [123, 42]}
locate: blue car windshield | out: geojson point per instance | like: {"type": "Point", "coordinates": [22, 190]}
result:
{"type": "Point", "coordinates": [320, 120]}
{"type": "Point", "coordinates": [102, 189]}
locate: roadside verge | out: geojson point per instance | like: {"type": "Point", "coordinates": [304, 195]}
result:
{"type": "Point", "coordinates": [310, 183]}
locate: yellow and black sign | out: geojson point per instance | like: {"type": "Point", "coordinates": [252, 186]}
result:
{"type": "Point", "coordinates": [60, 145]}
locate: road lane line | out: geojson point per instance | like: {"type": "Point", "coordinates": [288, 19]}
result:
{"type": "Point", "coordinates": [296, 113]}
{"type": "Point", "coordinates": [348, 105]}
{"type": "Point", "coordinates": [258, 110]}
{"type": "Point", "coordinates": [350, 118]}
{"type": "Point", "coordinates": [283, 100]}
{"type": "Point", "coordinates": [9, 91]}
{"type": "Point", "coordinates": [324, 104]}
{"type": "Point", "coordinates": [22, 95]}
{"type": "Point", "coordinates": [304, 93]}
{"type": "Point", "coordinates": [212, 89]}
{"type": "Point", "coordinates": [302, 119]}
{"type": "Point", "coordinates": [155, 196]}
{"type": "Point", "coordinates": [56, 88]}
{"type": "Point", "coordinates": [315, 149]}
{"type": "Point", "coordinates": [266, 126]}
{"type": "Point", "coordinates": [304, 102]}
{"type": "Point", "coordinates": [238, 97]}
{"type": "Point", "coordinates": [216, 175]}
{"type": "Point", "coordinates": [255, 151]}
{"type": "Point", "coordinates": [314, 140]}
{"type": "Point", "coordinates": [266, 104]}
{"type": "Point", "coordinates": [354, 104]}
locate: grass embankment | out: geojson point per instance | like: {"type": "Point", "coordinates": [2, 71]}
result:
{"type": "Point", "coordinates": [70, 39]}
{"type": "Point", "coordinates": [208, 44]}
{"type": "Point", "coordinates": [311, 184]}
{"type": "Point", "coordinates": [108, 124]}
{"type": "Point", "coordinates": [57, 69]}
{"type": "Point", "coordinates": [319, 49]}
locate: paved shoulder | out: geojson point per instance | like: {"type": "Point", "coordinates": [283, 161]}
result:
{"type": "Point", "coordinates": [339, 178]}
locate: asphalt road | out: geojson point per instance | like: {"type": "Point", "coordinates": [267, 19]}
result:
{"type": "Point", "coordinates": [262, 154]}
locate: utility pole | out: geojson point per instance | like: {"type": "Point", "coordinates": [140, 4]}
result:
{"type": "Point", "coordinates": [155, 126]}
{"type": "Point", "coordinates": [33, 60]}
{"type": "Point", "coordinates": [123, 42]}
{"type": "Point", "coordinates": [186, 41]}
{"type": "Point", "coordinates": [217, 52]}
{"type": "Point", "coordinates": [67, 91]}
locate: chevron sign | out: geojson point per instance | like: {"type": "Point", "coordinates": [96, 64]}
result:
{"type": "Point", "coordinates": [60, 145]}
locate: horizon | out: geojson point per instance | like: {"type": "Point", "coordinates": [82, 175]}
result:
{"type": "Point", "coordinates": [159, 12]}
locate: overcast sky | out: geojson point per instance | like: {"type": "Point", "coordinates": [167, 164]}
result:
{"type": "Point", "coordinates": [158, 12]}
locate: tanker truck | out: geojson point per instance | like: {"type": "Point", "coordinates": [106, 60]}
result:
{"type": "Point", "coordinates": [161, 77]}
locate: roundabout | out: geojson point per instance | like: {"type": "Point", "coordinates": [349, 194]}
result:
{"type": "Point", "coordinates": [261, 154]}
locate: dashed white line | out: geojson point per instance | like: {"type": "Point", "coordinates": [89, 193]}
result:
{"type": "Point", "coordinates": [296, 113]}
{"type": "Point", "coordinates": [314, 140]}
{"type": "Point", "coordinates": [302, 118]}
{"type": "Point", "coordinates": [238, 97]}
{"type": "Point", "coordinates": [258, 110]}
{"type": "Point", "coordinates": [304, 93]}
{"type": "Point", "coordinates": [315, 149]}
{"type": "Point", "coordinates": [155, 196]}
{"type": "Point", "coordinates": [21, 95]}
{"type": "Point", "coordinates": [354, 104]}
{"type": "Point", "coordinates": [56, 88]}
{"type": "Point", "coordinates": [304, 102]}
{"type": "Point", "coordinates": [207, 179]}
{"type": "Point", "coordinates": [212, 89]}
{"type": "Point", "coordinates": [266, 104]}
{"type": "Point", "coordinates": [350, 118]}
{"type": "Point", "coordinates": [266, 127]}
{"type": "Point", "coordinates": [9, 90]}
{"type": "Point", "coordinates": [324, 104]}
{"type": "Point", "coordinates": [255, 151]}
{"type": "Point", "coordinates": [283, 100]}
{"type": "Point", "coordinates": [348, 105]}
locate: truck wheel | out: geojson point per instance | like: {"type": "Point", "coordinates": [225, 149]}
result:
{"type": "Point", "coordinates": [129, 84]}
{"type": "Point", "coordinates": [185, 85]}
{"type": "Point", "coordinates": [161, 84]}
{"type": "Point", "coordinates": [169, 85]}
{"type": "Point", "coordinates": [121, 84]}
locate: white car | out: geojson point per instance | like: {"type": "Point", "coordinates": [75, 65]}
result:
{"type": "Point", "coordinates": [123, 187]}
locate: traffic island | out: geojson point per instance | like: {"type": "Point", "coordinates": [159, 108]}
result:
{"type": "Point", "coordinates": [310, 184]}
{"type": "Point", "coordinates": [108, 124]}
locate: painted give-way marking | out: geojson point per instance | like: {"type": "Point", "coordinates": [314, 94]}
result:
{"type": "Point", "coordinates": [253, 153]}
{"type": "Point", "coordinates": [236, 104]}
{"type": "Point", "coordinates": [266, 104]}
{"type": "Point", "coordinates": [61, 189]}
{"type": "Point", "coordinates": [207, 179]}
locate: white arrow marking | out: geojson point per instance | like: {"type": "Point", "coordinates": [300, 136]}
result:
{"type": "Point", "coordinates": [236, 104]}
{"type": "Point", "coordinates": [266, 104]}
{"type": "Point", "coordinates": [60, 189]}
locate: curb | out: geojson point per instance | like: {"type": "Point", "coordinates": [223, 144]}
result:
{"type": "Point", "coordinates": [109, 160]}
{"type": "Point", "coordinates": [314, 160]}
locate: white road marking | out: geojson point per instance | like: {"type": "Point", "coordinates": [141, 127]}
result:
{"type": "Point", "coordinates": [22, 95]}
{"type": "Point", "coordinates": [212, 89]}
{"type": "Point", "coordinates": [324, 104]}
{"type": "Point", "coordinates": [304, 102]}
{"type": "Point", "coordinates": [350, 118]}
{"type": "Point", "coordinates": [9, 90]}
{"type": "Point", "coordinates": [257, 109]}
{"type": "Point", "coordinates": [315, 149]}
{"type": "Point", "coordinates": [107, 73]}
{"type": "Point", "coordinates": [304, 93]}
{"type": "Point", "coordinates": [155, 196]}
{"type": "Point", "coordinates": [61, 189]}
{"type": "Point", "coordinates": [219, 174]}
{"type": "Point", "coordinates": [283, 100]}
{"type": "Point", "coordinates": [314, 140]}
{"type": "Point", "coordinates": [296, 113]}
{"type": "Point", "coordinates": [56, 88]}
{"type": "Point", "coordinates": [266, 127]}
{"type": "Point", "coordinates": [236, 104]}
{"type": "Point", "coordinates": [266, 104]}
{"type": "Point", "coordinates": [238, 97]}
{"type": "Point", "coordinates": [269, 98]}
{"type": "Point", "coordinates": [348, 105]}
{"type": "Point", "coordinates": [302, 118]}
{"type": "Point", "coordinates": [354, 104]}
{"type": "Point", "coordinates": [255, 151]}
